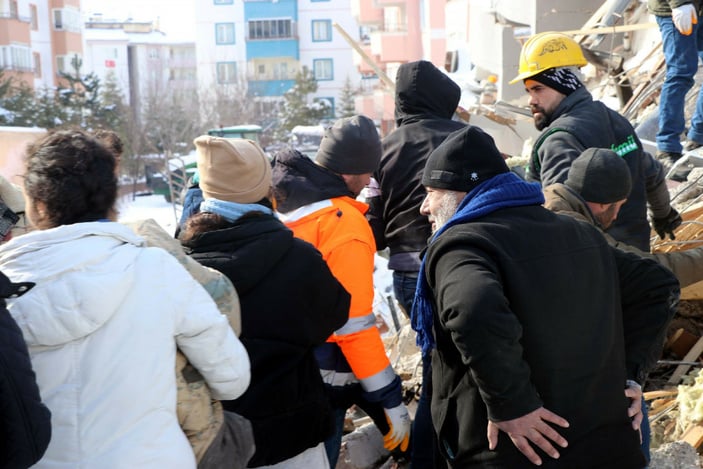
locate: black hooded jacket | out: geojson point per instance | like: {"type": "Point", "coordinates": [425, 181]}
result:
{"type": "Point", "coordinates": [290, 303]}
{"type": "Point", "coordinates": [425, 101]}
{"type": "Point", "coordinates": [298, 181]}
{"type": "Point", "coordinates": [25, 423]}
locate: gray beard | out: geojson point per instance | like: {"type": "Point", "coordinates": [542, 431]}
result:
{"type": "Point", "coordinates": [447, 209]}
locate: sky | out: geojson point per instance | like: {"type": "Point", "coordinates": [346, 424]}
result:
{"type": "Point", "coordinates": [175, 16]}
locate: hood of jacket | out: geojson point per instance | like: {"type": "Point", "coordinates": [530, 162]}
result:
{"type": "Point", "coordinates": [82, 270]}
{"type": "Point", "coordinates": [421, 91]}
{"type": "Point", "coordinates": [298, 181]}
{"type": "Point", "coordinates": [246, 252]}
{"type": "Point", "coordinates": [560, 198]}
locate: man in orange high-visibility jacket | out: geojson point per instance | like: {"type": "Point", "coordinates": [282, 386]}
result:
{"type": "Point", "coordinates": [317, 201]}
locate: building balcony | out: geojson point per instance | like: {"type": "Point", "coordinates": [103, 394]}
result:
{"type": "Point", "coordinates": [366, 12]}
{"type": "Point", "coordinates": [394, 46]}
{"type": "Point", "coordinates": [269, 88]}
{"type": "Point", "coordinates": [14, 30]}
{"type": "Point", "coordinates": [19, 74]}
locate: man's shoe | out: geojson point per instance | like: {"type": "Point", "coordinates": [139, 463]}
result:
{"type": "Point", "coordinates": [667, 157]}
{"type": "Point", "coordinates": [691, 145]}
{"type": "Point", "coordinates": [667, 160]}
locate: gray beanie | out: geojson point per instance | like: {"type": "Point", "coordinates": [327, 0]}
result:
{"type": "Point", "coordinates": [350, 146]}
{"type": "Point", "coordinates": [600, 176]}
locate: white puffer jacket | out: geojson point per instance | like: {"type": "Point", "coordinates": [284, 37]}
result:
{"type": "Point", "coordinates": [102, 325]}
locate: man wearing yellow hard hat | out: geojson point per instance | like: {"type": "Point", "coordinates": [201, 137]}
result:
{"type": "Point", "coordinates": [571, 121]}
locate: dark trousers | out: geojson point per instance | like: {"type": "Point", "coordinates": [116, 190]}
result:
{"type": "Point", "coordinates": [424, 452]}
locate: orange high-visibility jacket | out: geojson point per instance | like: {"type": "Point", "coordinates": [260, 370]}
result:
{"type": "Point", "coordinates": [338, 229]}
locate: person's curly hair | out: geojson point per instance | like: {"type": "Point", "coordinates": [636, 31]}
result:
{"type": "Point", "coordinates": [111, 140]}
{"type": "Point", "coordinates": [72, 175]}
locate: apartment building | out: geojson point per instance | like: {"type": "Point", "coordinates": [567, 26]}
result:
{"type": "Point", "coordinates": [396, 32]}
{"type": "Point", "coordinates": [144, 61]}
{"type": "Point", "coordinates": [221, 34]}
{"type": "Point", "coordinates": [39, 38]}
{"type": "Point", "coordinates": [262, 44]}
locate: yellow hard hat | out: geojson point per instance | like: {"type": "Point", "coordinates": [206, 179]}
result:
{"type": "Point", "coordinates": [548, 50]}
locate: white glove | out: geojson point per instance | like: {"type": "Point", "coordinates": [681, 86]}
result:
{"type": "Point", "coordinates": [684, 17]}
{"type": "Point", "coordinates": [399, 433]}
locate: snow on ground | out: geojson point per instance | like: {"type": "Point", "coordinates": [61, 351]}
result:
{"type": "Point", "coordinates": [141, 207]}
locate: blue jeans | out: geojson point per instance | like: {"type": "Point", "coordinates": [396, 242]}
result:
{"type": "Point", "coordinates": [681, 54]}
{"type": "Point", "coordinates": [333, 443]}
{"type": "Point", "coordinates": [404, 284]}
{"type": "Point", "coordinates": [646, 432]}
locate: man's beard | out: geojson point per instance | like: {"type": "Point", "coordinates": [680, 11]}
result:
{"type": "Point", "coordinates": [541, 120]}
{"type": "Point", "coordinates": [606, 218]}
{"type": "Point", "coordinates": [447, 208]}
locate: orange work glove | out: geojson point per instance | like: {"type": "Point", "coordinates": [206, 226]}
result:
{"type": "Point", "coordinates": [399, 434]}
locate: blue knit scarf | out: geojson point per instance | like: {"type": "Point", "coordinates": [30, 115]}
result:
{"type": "Point", "coordinates": [231, 211]}
{"type": "Point", "coordinates": [502, 191]}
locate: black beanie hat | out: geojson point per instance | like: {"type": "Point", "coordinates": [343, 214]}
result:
{"type": "Point", "coordinates": [561, 79]}
{"type": "Point", "coordinates": [600, 176]}
{"type": "Point", "coordinates": [467, 158]}
{"type": "Point", "coordinates": [350, 146]}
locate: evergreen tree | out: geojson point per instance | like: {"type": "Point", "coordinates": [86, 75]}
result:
{"type": "Point", "coordinates": [80, 95]}
{"type": "Point", "coordinates": [346, 107]}
{"type": "Point", "coordinates": [297, 108]}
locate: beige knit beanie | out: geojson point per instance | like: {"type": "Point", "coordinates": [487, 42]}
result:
{"type": "Point", "coordinates": [232, 169]}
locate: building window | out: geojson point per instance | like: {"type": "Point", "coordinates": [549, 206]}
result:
{"type": "Point", "coordinates": [16, 57]}
{"type": "Point", "coordinates": [224, 33]}
{"type": "Point", "coordinates": [270, 29]}
{"type": "Point", "coordinates": [321, 30]}
{"type": "Point", "coordinates": [226, 72]}
{"type": "Point", "coordinates": [67, 19]}
{"type": "Point", "coordinates": [323, 69]}
{"type": "Point", "coordinates": [36, 59]}
{"type": "Point", "coordinates": [153, 53]}
{"type": "Point", "coordinates": [280, 71]}
{"type": "Point", "coordinates": [223, 2]}
{"type": "Point", "coordinates": [65, 63]}
{"type": "Point", "coordinates": [33, 17]}
{"type": "Point", "coordinates": [13, 9]}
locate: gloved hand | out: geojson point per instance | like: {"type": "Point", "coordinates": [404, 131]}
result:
{"type": "Point", "coordinates": [399, 434]}
{"type": "Point", "coordinates": [668, 224]}
{"type": "Point", "coordinates": [684, 17]}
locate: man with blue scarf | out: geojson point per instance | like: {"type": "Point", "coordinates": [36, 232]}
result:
{"type": "Point", "coordinates": [534, 323]}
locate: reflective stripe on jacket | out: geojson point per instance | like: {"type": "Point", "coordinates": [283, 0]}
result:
{"type": "Point", "coordinates": [338, 229]}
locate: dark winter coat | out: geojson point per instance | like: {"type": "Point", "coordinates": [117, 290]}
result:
{"type": "Point", "coordinates": [25, 423]}
{"type": "Point", "coordinates": [578, 123]}
{"type": "Point", "coordinates": [528, 315]}
{"type": "Point", "coordinates": [425, 101]}
{"type": "Point", "coordinates": [290, 303]}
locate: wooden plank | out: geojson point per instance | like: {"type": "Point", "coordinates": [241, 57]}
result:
{"type": "Point", "coordinates": [605, 29]}
{"type": "Point", "coordinates": [649, 395]}
{"type": "Point", "coordinates": [693, 435]}
{"type": "Point", "coordinates": [692, 355]}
